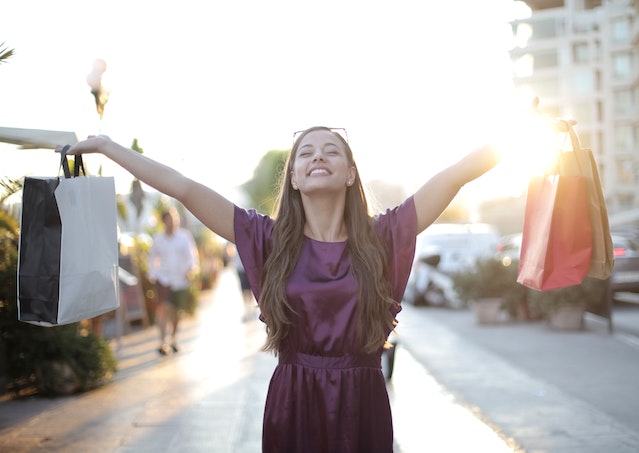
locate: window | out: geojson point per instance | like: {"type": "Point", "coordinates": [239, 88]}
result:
{"type": "Point", "coordinates": [621, 65]}
{"type": "Point", "coordinates": [623, 102]}
{"type": "Point", "coordinates": [620, 29]}
{"type": "Point", "coordinates": [585, 112]}
{"type": "Point", "coordinates": [545, 60]}
{"type": "Point", "coordinates": [583, 81]}
{"type": "Point", "coordinates": [546, 29]}
{"type": "Point", "coordinates": [625, 174]}
{"type": "Point", "coordinates": [623, 137]}
{"type": "Point", "coordinates": [580, 52]}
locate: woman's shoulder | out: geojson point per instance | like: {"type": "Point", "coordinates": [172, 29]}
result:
{"type": "Point", "coordinates": [249, 220]}
{"type": "Point", "coordinates": [250, 215]}
{"type": "Point", "coordinates": [404, 209]}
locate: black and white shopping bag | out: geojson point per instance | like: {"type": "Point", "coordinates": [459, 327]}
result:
{"type": "Point", "coordinates": [68, 250]}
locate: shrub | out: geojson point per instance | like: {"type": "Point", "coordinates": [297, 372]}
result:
{"type": "Point", "coordinates": [489, 278]}
{"type": "Point", "coordinates": [589, 293]}
{"type": "Point", "coordinates": [34, 358]}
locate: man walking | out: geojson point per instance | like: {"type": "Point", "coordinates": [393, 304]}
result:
{"type": "Point", "coordinates": [173, 263]}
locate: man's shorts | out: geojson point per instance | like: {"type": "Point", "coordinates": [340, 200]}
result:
{"type": "Point", "coordinates": [178, 298]}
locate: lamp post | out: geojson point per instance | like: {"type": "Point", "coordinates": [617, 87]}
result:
{"type": "Point", "coordinates": [101, 96]}
{"type": "Point", "coordinates": [99, 92]}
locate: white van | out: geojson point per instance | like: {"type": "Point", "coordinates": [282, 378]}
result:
{"type": "Point", "coordinates": [442, 250]}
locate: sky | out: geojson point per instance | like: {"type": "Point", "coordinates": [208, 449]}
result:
{"type": "Point", "coordinates": [208, 87]}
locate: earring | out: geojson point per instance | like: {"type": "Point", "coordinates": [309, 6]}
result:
{"type": "Point", "coordinates": [294, 186]}
{"type": "Point", "coordinates": [349, 183]}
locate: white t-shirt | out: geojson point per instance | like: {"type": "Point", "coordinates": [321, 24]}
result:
{"type": "Point", "coordinates": [172, 258]}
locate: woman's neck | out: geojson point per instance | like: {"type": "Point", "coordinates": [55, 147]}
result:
{"type": "Point", "coordinates": [325, 220]}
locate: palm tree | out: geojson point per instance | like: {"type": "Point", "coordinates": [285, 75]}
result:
{"type": "Point", "coordinates": [5, 53]}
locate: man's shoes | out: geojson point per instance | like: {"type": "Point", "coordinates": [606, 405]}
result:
{"type": "Point", "coordinates": [174, 347]}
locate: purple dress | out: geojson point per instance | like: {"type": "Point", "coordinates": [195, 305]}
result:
{"type": "Point", "coordinates": [325, 395]}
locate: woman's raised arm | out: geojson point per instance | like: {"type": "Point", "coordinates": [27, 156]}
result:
{"type": "Point", "coordinates": [437, 193]}
{"type": "Point", "coordinates": [211, 208]}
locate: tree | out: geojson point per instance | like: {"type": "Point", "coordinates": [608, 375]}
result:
{"type": "Point", "coordinates": [5, 53]}
{"type": "Point", "coordinates": [137, 193]}
{"type": "Point", "coordinates": [263, 186]}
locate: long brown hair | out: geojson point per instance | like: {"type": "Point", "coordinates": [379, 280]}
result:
{"type": "Point", "coordinates": [367, 255]}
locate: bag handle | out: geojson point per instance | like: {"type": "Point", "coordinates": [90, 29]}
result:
{"type": "Point", "coordinates": [64, 163]}
{"type": "Point", "coordinates": [575, 143]}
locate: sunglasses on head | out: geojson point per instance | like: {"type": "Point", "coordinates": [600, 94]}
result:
{"type": "Point", "coordinates": [337, 130]}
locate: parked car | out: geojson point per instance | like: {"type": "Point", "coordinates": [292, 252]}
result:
{"type": "Point", "coordinates": [442, 250]}
{"type": "Point", "coordinates": [625, 274]}
{"type": "Point", "coordinates": [509, 248]}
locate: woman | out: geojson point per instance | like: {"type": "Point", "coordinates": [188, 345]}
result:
{"type": "Point", "coordinates": [328, 279]}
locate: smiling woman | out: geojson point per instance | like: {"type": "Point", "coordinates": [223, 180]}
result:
{"type": "Point", "coordinates": [321, 161]}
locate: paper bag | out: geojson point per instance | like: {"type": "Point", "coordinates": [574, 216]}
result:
{"type": "Point", "coordinates": [557, 237]}
{"type": "Point", "coordinates": [602, 260]}
{"type": "Point", "coordinates": [68, 250]}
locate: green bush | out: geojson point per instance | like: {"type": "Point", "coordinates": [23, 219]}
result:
{"type": "Point", "coordinates": [489, 278]}
{"type": "Point", "coordinates": [41, 359]}
{"type": "Point", "coordinates": [589, 293]}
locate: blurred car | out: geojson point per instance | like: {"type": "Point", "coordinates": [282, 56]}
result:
{"type": "Point", "coordinates": [442, 250]}
{"type": "Point", "coordinates": [509, 248]}
{"type": "Point", "coordinates": [625, 274]}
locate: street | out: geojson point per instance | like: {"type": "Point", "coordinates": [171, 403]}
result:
{"type": "Point", "coordinates": [210, 397]}
{"type": "Point", "coordinates": [457, 386]}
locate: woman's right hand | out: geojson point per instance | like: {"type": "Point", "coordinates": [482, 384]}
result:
{"type": "Point", "coordinates": [93, 144]}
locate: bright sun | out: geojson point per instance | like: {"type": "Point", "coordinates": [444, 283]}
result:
{"type": "Point", "coordinates": [530, 145]}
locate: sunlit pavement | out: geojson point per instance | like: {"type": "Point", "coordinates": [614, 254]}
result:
{"type": "Point", "coordinates": [551, 391]}
{"type": "Point", "coordinates": [209, 397]}
{"type": "Point", "coordinates": [427, 418]}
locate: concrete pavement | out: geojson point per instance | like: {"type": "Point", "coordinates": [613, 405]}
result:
{"type": "Point", "coordinates": [514, 387]}
{"type": "Point", "coordinates": [210, 396]}
{"type": "Point", "coordinates": [550, 391]}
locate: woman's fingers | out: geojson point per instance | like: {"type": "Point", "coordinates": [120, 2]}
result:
{"type": "Point", "coordinates": [90, 145]}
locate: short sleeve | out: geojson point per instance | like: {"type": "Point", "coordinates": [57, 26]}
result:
{"type": "Point", "coordinates": [397, 229]}
{"type": "Point", "coordinates": [253, 240]}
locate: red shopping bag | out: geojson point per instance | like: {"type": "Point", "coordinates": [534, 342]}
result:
{"type": "Point", "coordinates": [557, 235]}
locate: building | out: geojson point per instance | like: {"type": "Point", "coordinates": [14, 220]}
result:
{"type": "Point", "coordinates": [580, 58]}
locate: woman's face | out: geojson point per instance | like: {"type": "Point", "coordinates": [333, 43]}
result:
{"type": "Point", "coordinates": [321, 163]}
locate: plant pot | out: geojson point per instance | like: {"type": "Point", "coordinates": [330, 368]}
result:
{"type": "Point", "coordinates": [567, 316]}
{"type": "Point", "coordinates": [520, 311]}
{"type": "Point", "coordinates": [487, 310]}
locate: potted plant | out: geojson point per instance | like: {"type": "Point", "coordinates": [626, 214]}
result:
{"type": "Point", "coordinates": [564, 308]}
{"type": "Point", "coordinates": [489, 286]}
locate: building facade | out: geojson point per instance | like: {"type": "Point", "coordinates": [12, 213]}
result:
{"type": "Point", "coordinates": [580, 58]}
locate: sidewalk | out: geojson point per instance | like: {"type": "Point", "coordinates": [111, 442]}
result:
{"type": "Point", "coordinates": [541, 391]}
{"type": "Point", "coordinates": [210, 396]}
{"type": "Point", "coordinates": [555, 392]}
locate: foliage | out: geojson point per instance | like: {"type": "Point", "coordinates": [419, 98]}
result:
{"type": "Point", "coordinates": [5, 53]}
{"type": "Point", "coordinates": [489, 278]}
{"type": "Point", "coordinates": [9, 187]}
{"type": "Point", "coordinates": [25, 349]}
{"type": "Point", "coordinates": [263, 186]}
{"type": "Point", "coordinates": [32, 349]}
{"type": "Point", "coordinates": [588, 293]}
